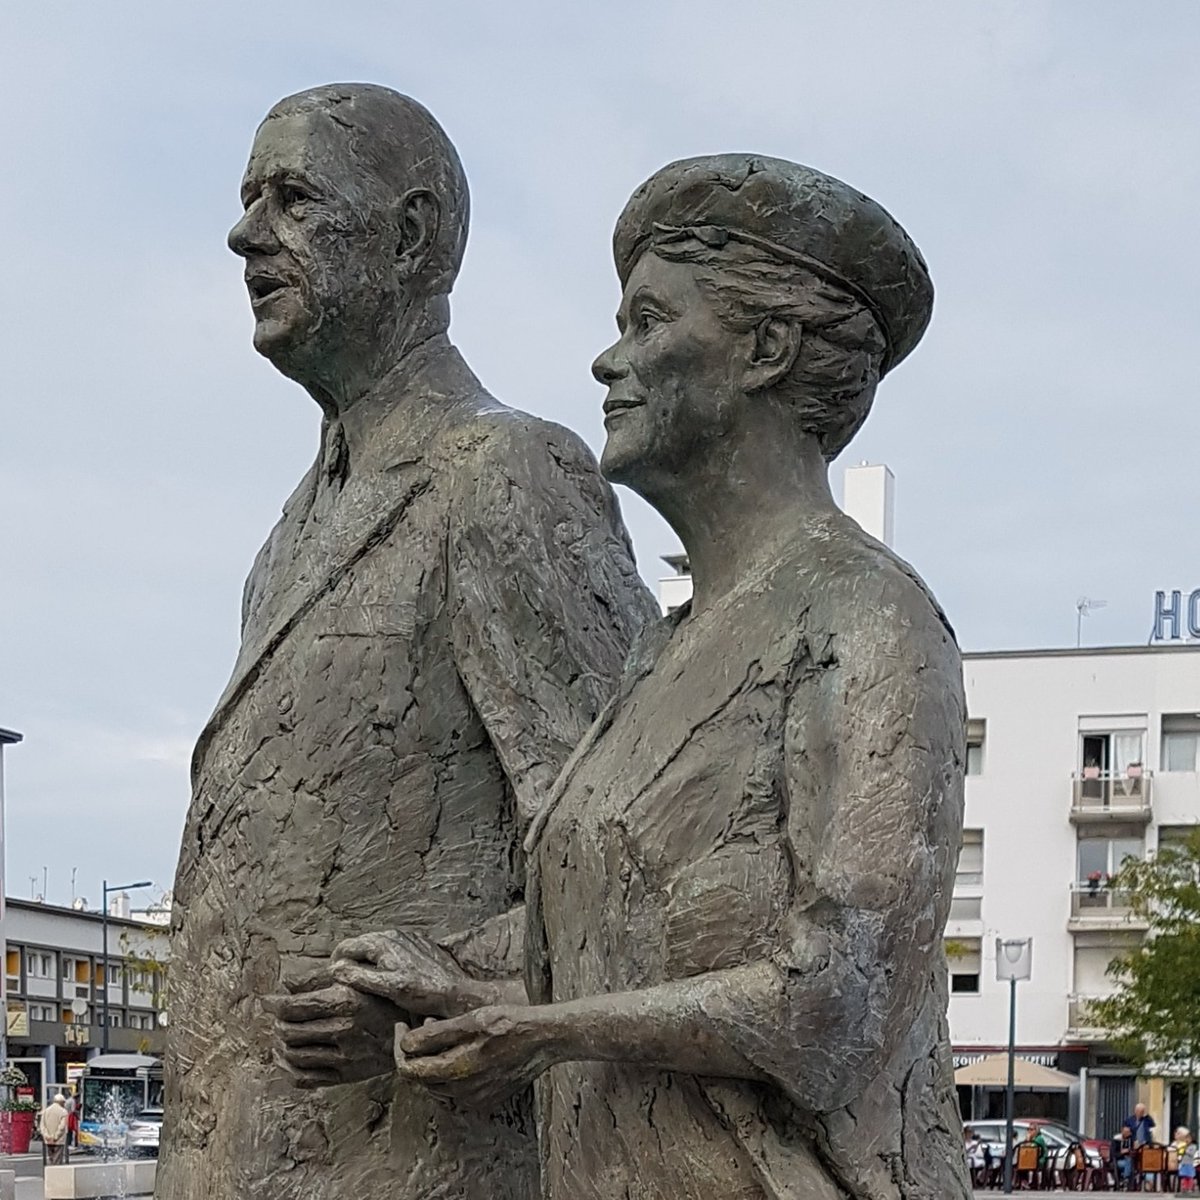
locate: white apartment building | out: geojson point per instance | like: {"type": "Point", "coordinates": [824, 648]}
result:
{"type": "Point", "coordinates": [1077, 759]}
{"type": "Point", "coordinates": [56, 975]}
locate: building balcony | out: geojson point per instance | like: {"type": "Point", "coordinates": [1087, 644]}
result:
{"type": "Point", "coordinates": [1081, 1026]}
{"type": "Point", "coordinates": [966, 916]}
{"type": "Point", "coordinates": [1101, 907]}
{"type": "Point", "coordinates": [1099, 796]}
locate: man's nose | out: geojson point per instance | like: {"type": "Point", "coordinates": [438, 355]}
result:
{"type": "Point", "coordinates": [253, 233]}
{"type": "Point", "coordinates": [607, 369]}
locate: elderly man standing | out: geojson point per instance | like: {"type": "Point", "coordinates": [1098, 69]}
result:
{"type": "Point", "coordinates": [53, 1126]}
{"type": "Point", "coordinates": [441, 611]}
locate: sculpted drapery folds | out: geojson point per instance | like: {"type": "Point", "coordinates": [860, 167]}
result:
{"type": "Point", "coordinates": [441, 611]}
{"type": "Point", "coordinates": [739, 884]}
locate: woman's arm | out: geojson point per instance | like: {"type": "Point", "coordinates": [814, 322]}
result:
{"type": "Point", "coordinates": [486, 1055]}
{"type": "Point", "coordinates": [872, 763]}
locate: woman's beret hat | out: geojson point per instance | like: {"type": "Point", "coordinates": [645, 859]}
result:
{"type": "Point", "coordinates": [792, 213]}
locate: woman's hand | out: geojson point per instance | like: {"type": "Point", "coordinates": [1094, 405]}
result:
{"type": "Point", "coordinates": [411, 971]}
{"type": "Point", "coordinates": [481, 1059]}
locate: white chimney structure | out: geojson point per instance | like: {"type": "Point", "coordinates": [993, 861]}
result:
{"type": "Point", "coordinates": [869, 496]}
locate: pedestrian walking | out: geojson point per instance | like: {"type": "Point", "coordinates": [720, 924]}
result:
{"type": "Point", "coordinates": [53, 1122]}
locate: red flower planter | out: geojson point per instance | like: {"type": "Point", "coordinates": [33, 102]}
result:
{"type": "Point", "coordinates": [16, 1132]}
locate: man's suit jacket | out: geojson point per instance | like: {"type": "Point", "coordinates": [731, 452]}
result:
{"type": "Point", "coordinates": [427, 633]}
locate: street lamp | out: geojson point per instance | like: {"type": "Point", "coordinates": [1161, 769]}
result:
{"type": "Point", "coordinates": [126, 887]}
{"type": "Point", "coordinates": [1014, 960]}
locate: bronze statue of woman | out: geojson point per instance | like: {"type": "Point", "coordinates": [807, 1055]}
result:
{"type": "Point", "coordinates": [741, 878]}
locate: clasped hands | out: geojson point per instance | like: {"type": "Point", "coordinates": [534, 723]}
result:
{"type": "Point", "coordinates": [362, 1017]}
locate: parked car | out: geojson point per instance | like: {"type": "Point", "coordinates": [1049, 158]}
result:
{"type": "Point", "coordinates": [1059, 1138]}
{"type": "Point", "coordinates": [144, 1132]}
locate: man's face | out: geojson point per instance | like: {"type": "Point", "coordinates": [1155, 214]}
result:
{"type": "Point", "coordinates": [1139, 1111]}
{"type": "Point", "coordinates": [318, 238]}
{"type": "Point", "coordinates": [673, 377]}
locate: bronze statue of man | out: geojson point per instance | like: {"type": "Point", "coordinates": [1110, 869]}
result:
{"type": "Point", "coordinates": [739, 885]}
{"type": "Point", "coordinates": [441, 611]}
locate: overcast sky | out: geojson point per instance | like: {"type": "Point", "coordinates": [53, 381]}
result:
{"type": "Point", "coordinates": [1045, 156]}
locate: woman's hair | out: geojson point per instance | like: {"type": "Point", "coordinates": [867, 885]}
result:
{"type": "Point", "coordinates": [832, 384]}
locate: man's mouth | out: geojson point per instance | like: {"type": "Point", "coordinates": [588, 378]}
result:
{"type": "Point", "coordinates": [262, 287]}
{"type": "Point", "coordinates": [619, 404]}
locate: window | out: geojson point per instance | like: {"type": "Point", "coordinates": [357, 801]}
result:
{"type": "Point", "coordinates": [68, 1015]}
{"type": "Point", "coordinates": [114, 1020]}
{"type": "Point", "coordinates": [114, 974]}
{"type": "Point", "coordinates": [1174, 835]}
{"type": "Point", "coordinates": [1180, 742]}
{"type": "Point", "coordinates": [966, 908]}
{"type": "Point", "coordinates": [1109, 753]}
{"type": "Point", "coordinates": [964, 957]}
{"type": "Point", "coordinates": [1100, 857]}
{"type": "Point", "coordinates": [41, 1012]}
{"type": "Point", "coordinates": [39, 965]}
{"type": "Point", "coordinates": [976, 735]}
{"type": "Point", "coordinates": [970, 859]}
{"type": "Point", "coordinates": [68, 968]}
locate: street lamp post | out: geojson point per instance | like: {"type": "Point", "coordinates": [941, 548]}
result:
{"type": "Point", "coordinates": [126, 887]}
{"type": "Point", "coordinates": [1014, 960]}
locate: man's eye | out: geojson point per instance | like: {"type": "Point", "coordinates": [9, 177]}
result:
{"type": "Point", "coordinates": [646, 321]}
{"type": "Point", "coordinates": [293, 197]}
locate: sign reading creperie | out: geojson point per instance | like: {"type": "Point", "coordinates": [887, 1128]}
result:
{"type": "Point", "coordinates": [1041, 1059]}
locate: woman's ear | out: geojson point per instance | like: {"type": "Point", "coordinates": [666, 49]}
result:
{"type": "Point", "coordinates": [420, 216]}
{"type": "Point", "coordinates": [777, 342]}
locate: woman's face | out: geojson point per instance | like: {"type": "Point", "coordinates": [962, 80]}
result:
{"type": "Point", "coordinates": [673, 378]}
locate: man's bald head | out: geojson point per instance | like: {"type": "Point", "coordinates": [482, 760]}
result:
{"type": "Point", "coordinates": [403, 148]}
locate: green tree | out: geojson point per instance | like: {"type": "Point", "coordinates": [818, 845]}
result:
{"type": "Point", "coordinates": [1154, 1014]}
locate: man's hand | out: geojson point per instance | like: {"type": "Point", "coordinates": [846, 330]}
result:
{"type": "Point", "coordinates": [332, 1034]}
{"type": "Point", "coordinates": [411, 971]}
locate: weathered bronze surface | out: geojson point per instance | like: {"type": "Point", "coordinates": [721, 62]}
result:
{"type": "Point", "coordinates": [438, 616]}
{"type": "Point", "coordinates": [740, 882]}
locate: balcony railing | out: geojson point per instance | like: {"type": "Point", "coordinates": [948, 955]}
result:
{"type": "Point", "coordinates": [1081, 1023]}
{"type": "Point", "coordinates": [1101, 907]}
{"type": "Point", "coordinates": [1106, 795]}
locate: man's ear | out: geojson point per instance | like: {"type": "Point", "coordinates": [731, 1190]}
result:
{"type": "Point", "coordinates": [777, 342]}
{"type": "Point", "coordinates": [420, 217]}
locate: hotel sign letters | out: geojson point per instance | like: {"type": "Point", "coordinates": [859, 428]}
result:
{"type": "Point", "coordinates": [1176, 616]}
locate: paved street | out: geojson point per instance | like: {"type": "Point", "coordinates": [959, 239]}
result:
{"type": "Point", "coordinates": [29, 1173]}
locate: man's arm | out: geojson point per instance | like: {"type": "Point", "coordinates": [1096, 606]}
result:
{"type": "Point", "coordinates": [544, 601]}
{"type": "Point", "coordinates": [544, 596]}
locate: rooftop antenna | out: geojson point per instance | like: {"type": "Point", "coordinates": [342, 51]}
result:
{"type": "Point", "coordinates": [32, 887]}
{"type": "Point", "coordinates": [1084, 607]}
{"type": "Point", "coordinates": [74, 872]}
